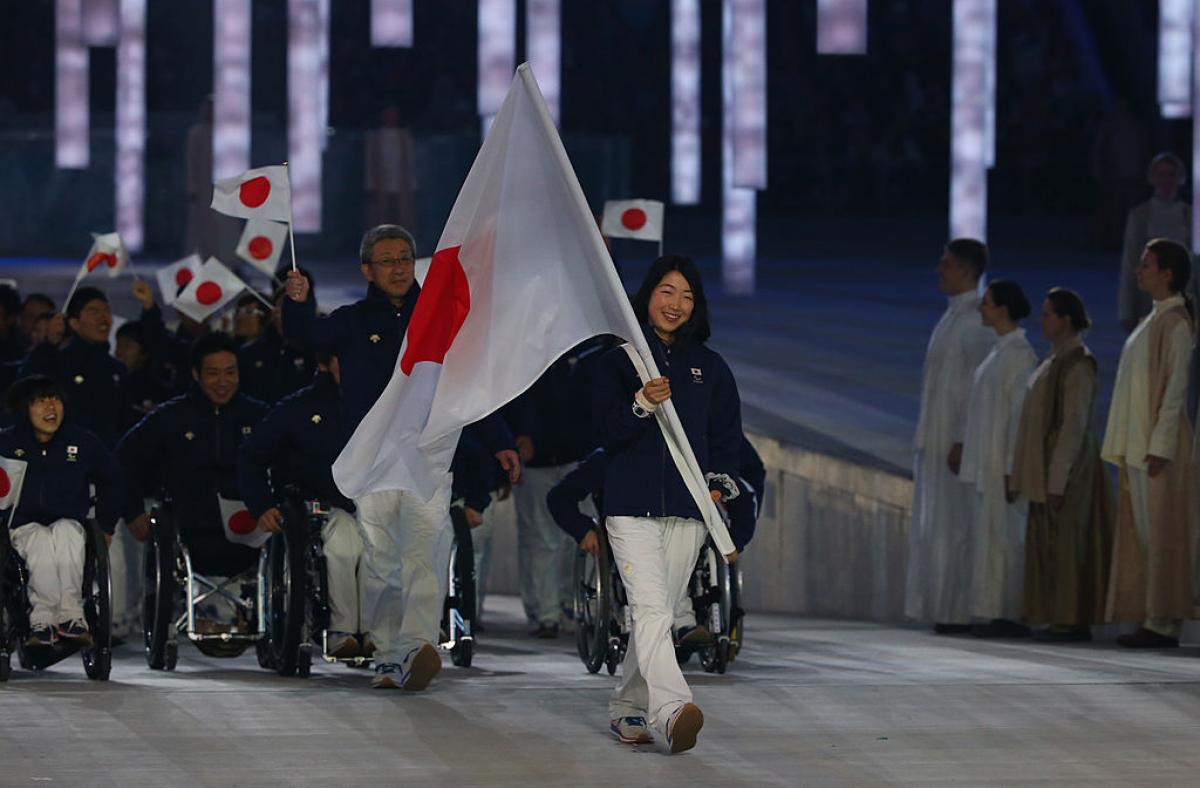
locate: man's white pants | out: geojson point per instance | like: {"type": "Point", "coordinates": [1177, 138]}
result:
{"type": "Point", "coordinates": [656, 556]}
{"type": "Point", "coordinates": [542, 547]}
{"type": "Point", "coordinates": [347, 579]}
{"type": "Point", "coordinates": [54, 555]}
{"type": "Point", "coordinates": [404, 539]}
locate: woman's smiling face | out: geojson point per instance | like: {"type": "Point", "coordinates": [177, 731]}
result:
{"type": "Point", "coordinates": [671, 304]}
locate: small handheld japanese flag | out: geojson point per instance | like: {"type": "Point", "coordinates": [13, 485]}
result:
{"type": "Point", "coordinates": [211, 288]}
{"type": "Point", "coordinates": [255, 194]}
{"type": "Point", "coordinates": [261, 244]}
{"type": "Point", "coordinates": [12, 474]}
{"type": "Point", "coordinates": [640, 219]}
{"type": "Point", "coordinates": [107, 254]}
{"type": "Point", "coordinates": [176, 276]}
{"type": "Point", "coordinates": [241, 527]}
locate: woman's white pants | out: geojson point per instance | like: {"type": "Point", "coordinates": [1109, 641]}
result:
{"type": "Point", "coordinates": [54, 556]}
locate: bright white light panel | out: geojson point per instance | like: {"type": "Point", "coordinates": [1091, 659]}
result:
{"type": "Point", "coordinates": [100, 23]}
{"type": "Point", "coordinates": [738, 205]}
{"type": "Point", "coordinates": [131, 123]}
{"type": "Point", "coordinates": [71, 118]}
{"type": "Point", "coordinates": [841, 27]}
{"type": "Point", "coordinates": [306, 123]}
{"type": "Point", "coordinates": [231, 87]}
{"type": "Point", "coordinates": [1195, 62]}
{"type": "Point", "coordinates": [1175, 57]}
{"type": "Point", "coordinates": [543, 38]}
{"type": "Point", "coordinates": [497, 54]}
{"type": "Point", "coordinates": [972, 110]}
{"type": "Point", "coordinates": [748, 41]}
{"type": "Point", "coordinates": [685, 101]}
{"type": "Point", "coordinates": [391, 23]}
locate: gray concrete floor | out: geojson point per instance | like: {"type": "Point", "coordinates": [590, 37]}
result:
{"type": "Point", "coordinates": [809, 703]}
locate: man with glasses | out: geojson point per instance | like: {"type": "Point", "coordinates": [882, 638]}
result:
{"type": "Point", "coordinates": [404, 537]}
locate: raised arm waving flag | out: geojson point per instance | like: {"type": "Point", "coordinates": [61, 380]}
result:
{"type": "Point", "coordinates": [520, 276]}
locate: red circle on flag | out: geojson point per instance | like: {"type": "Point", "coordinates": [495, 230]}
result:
{"type": "Point", "coordinates": [5, 483]}
{"type": "Point", "coordinates": [183, 276]}
{"type": "Point", "coordinates": [208, 293]}
{"type": "Point", "coordinates": [101, 258]}
{"type": "Point", "coordinates": [242, 523]}
{"type": "Point", "coordinates": [255, 191]}
{"type": "Point", "coordinates": [633, 219]}
{"type": "Point", "coordinates": [260, 247]}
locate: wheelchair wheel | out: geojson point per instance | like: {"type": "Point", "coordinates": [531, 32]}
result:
{"type": "Point", "coordinates": [97, 606]}
{"type": "Point", "coordinates": [458, 620]}
{"type": "Point", "coordinates": [719, 608]}
{"type": "Point", "coordinates": [160, 589]}
{"type": "Point", "coordinates": [286, 594]}
{"type": "Point", "coordinates": [304, 661]}
{"type": "Point", "coordinates": [738, 623]}
{"type": "Point", "coordinates": [592, 605]}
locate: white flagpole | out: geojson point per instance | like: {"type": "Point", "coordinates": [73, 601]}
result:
{"type": "Point", "coordinates": [291, 221]}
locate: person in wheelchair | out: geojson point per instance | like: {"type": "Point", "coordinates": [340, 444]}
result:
{"type": "Point", "coordinates": [187, 447]}
{"type": "Point", "coordinates": [296, 444]}
{"type": "Point", "coordinates": [587, 480]}
{"type": "Point", "coordinates": [46, 527]}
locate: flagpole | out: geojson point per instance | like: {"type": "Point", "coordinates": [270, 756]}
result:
{"type": "Point", "coordinates": [291, 220]}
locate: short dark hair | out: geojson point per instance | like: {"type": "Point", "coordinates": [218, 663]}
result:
{"type": "Point", "coordinates": [28, 390]}
{"type": "Point", "coordinates": [1010, 296]}
{"type": "Point", "coordinates": [250, 298]}
{"type": "Point", "coordinates": [209, 344]}
{"type": "Point", "coordinates": [38, 298]}
{"type": "Point", "coordinates": [133, 331]}
{"type": "Point", "coordinates": [972, 252]}
{"type": "Point", "coordinates": [1174, 257]}
{"type": "Point", "coordinates": [10, 301]}
{"type": "Point", "coordinates": [1067, 303]}
{"type": "Point", "coordinates": [84, 296]}
{"type": "Point", "coordinates": [696, 329]}
{"type": "Point", "coordinates": [383, 232]}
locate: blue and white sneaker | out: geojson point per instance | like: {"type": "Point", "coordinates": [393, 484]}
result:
{"type": "Point", "coordinates": [683, 728]}
{"type": "Point", "coordinates": [40, 637]}
{"type": "Point", "coordinates": [631, 730]}
{"type": "Point", "coordinates": [75, 631]}
{"type": "Point", "coordinates": [387, 676]}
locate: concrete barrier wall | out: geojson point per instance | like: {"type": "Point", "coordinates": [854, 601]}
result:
{"type": "Point", "coordinates": [832, 539]}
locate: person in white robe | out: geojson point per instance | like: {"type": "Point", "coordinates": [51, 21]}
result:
{"type": "Point", "coordinates": [940, 562]}
{"type": "Point", "coordinates": [993, 413]}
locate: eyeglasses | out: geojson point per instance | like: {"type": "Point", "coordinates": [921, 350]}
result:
{"type": "Point", "coordinates": [393, 262]}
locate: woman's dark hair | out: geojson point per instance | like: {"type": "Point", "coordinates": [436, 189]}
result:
{"type": "Point", "coordinates": [1174, 257]}
{"type": "Point", "coordinates": [210, 343]}
{"type": "Point", "coordinates": [1067, 303]}
{"type": "Point", "coordinates": [1010, 296]}
{"type": "Point", "coordinates": [29, 390]}
{"type": "Point", "coordinates": [696, 329]}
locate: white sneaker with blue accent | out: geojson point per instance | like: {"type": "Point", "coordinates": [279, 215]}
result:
{"type": "Point", "coordinates": [387, 676]}
{"type": "Point", "coordinates": [631, 730]}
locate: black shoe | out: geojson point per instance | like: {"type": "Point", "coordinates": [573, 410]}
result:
{"type": "Point", "coordinates": [1000, 628]}
{"type": "Point", "coordinates": [40, 637]}
{"type": "Point", "coordinates": [952, 629]}
{"type": "Point", "coordinates": [1063, 635]}
{"type": "Point", "coordinates": [1147, 638]}
{"type": "Point", "coordinates": [545, 631]}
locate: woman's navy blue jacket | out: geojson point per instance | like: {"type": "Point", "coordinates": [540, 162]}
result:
{"type": "Point", "coordinates": [57, 475]}
{"type": "Point", "coordinates": [641, 479]}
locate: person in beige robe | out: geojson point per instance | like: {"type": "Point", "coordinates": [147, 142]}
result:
{"type": "Point", "coordinates": [1057, 467]}
{"type": "Point", "coordinates": [390, 174]}
{"type": "Point", "coordinates": [1149, 438]}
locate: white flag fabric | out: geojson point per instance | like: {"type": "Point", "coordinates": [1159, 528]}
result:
{"type": "Point", "coordinates": [176, 276]}
{"type": "Point", "coordinates": [107, 254]}
{"type": "Point", "coordinates": [520, 276]}
{"type": "Point", "coordinates": [210, 290]}
{"type": "Point", "coordinates": [12, 476]}
{"type": "Point", "coordinates": [261, 193]}
{"type": "Point", "coordinates": [241, 527]}
{"type": "Point", "coordinates": [262, 243]}
{"type": "Point", "coordinates": [640, 219]}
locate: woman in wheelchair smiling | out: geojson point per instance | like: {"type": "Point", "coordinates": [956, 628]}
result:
{"type": "Point", "coordinates": [46, 523]}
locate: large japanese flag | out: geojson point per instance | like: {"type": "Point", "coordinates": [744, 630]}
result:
{"type": "Point", "coordinates": [261, 244]}
{"type": "Point", "coordinates": [211, 288]}
{"type": "Point", "coordinates": [241, 527]}
{"type": "Point", "coordinates": [176, 276]}
{"type": "Point", "coordinates": [107, 255]}
{"type": "Point", "coordinates": [255, 194]}
{"type": "Point", "coordinates": [12, 475]}
{"type": "Point", "coordinates": [520, 276]}
{"type": "Point", "coordinates": [640, 219]}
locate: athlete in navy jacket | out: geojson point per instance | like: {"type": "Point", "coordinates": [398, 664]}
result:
{"type": "Point", "coordinates": [655, 528]}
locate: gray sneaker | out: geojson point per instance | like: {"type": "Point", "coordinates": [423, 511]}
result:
{"type": "Point", "coordinates": [631, 730]}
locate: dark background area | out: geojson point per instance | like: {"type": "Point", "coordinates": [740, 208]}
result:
{"type": "Point", "coordinates": [853, 140]}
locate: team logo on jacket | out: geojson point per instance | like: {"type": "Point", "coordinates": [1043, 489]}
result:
{"type": "Point", "coordinates": [375, 339]}
{"type": "Point", "coordinates": [72, 453]}
{"type": "Point", "coordinates": [78, 380]}
{"type": "Point", "coordinates": [247, 429]}
{"type": "Point", "coordinates": [258, 364]}
{"type": "Point", "coordinates": [697, 375]}
{"type": "Point", "coordinates": [19, 452]}
{"type": "Point", "coordinates": [316, 418]}
{"type": "Point", "coordinates": [189, 435]}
